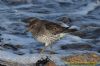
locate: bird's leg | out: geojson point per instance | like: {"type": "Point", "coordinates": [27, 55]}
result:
{"type": "Point", "coordinates": [43, 49]}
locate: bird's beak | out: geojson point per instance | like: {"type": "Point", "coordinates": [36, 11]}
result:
{"type": "Point", "coordinates": [70, 30]}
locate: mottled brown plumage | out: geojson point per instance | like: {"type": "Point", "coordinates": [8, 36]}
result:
{"type": "Point", "coordinates": [45, 31]}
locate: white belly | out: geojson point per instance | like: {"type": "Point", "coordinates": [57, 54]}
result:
{"type": "Point", "coordinates": [50, 38]}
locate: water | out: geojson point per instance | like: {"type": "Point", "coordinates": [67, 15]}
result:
{"type": "Point", "coordinates": [85, 15]}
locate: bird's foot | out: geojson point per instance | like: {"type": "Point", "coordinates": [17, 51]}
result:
{"type": "Point", "coordinates": [42, 51]}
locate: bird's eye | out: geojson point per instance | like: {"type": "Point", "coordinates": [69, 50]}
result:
{"type": "Point", "coordinates": [55, 28]}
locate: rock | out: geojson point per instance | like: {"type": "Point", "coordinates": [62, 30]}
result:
{"type": "Point", "coordinates": [45, 62]}
{"type": "Point", "coordinates": [77, 46]}
{"type": "Point", "coordinates": [50, 63]}
{"type": "Point", "coordinates": [83, 58]}
{"type": "Point", "coordinates": [2, 65]}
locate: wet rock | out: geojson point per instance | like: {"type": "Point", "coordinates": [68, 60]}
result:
{"type": "Point", "coordinates": [2, 65]}
{"type": "Point", "coordinates": [42, 61]}
{"type": "Point", "coordinates": [50, 63]}
{"type": "Point", "coordinates": [45, 62]}
{"type": "Point", "coordinates": [85, 58]}
{"type": "Point", "coordinates": [77, 46]}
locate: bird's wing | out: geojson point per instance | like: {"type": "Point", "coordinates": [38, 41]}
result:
{"type": "Point", "coordinates": [54, 28]}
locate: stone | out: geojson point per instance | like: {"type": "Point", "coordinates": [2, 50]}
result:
{"type": "Point", "coordinates": [82, 58]}
{"type": "Point", "coordinates": [77, 46]}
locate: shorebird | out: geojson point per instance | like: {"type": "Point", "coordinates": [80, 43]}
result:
{"type": "Point", "coordinates": [46, 32]}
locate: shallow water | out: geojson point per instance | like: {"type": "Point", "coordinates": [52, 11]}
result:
{"type": "Point", "coordinates": [85, 15]}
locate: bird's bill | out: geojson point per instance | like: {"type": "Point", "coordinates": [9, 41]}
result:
{"type": "Point", "coordinates": [70, 30]}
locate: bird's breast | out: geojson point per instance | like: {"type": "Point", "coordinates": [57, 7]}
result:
{"type": "Point", "coordinates": [50, 38]}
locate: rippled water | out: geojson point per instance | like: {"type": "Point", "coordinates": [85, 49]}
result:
{"type": "Point", "coordinates": [85, 15]}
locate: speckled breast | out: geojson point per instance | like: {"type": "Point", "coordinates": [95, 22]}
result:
{"type": "Point", "coordinates": [50, 38]}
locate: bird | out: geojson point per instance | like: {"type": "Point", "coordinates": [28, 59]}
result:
{"type": "Point", "coordinates": [46, 32]}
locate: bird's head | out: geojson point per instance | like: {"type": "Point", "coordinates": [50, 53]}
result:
{"type": "Point", "coordinates": [33, 24]}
